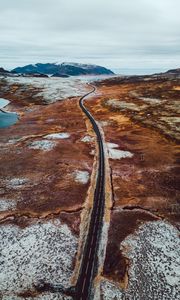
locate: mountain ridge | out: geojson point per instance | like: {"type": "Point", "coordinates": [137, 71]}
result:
{"type": "Point", "coordinates": [71, 69]}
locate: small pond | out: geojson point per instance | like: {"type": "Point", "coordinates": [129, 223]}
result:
{"type": "Point", "coordinates": [6, 118]}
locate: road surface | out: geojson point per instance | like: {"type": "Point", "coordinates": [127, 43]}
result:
{"type": "Point", "coordinates": [90, 260]}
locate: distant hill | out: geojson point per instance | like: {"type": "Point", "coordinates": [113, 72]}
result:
{"type": "Point", "coordinates": [3, 71]}
{"type": "Point", "coordinates": [174, 73]}
{"type": "Point", "coordinates": [71, 69]}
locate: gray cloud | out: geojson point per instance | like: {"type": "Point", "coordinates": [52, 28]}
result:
{"type": "Point", "coordinates": [113, 33]}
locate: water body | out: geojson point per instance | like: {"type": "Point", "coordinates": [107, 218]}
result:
{"type": "Point", "coordinates": [6, 119]}
{"type": "Point", "coordinates": [3, 102]}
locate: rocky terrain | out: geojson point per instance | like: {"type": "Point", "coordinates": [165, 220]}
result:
{"type": "Point", "coordinates": [46, 164]}
{"type": "Point", "coordinates": [47, 178]}
{"type": "Point", "coordinates": [140, 120]}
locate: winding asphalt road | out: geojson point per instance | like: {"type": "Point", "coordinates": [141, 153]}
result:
{"type": "Point", "coordinates": [90, 255]}
{"type": "Point", "coordinates": [89, 264]}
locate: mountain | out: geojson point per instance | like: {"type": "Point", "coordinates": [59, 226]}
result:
{"type": "Point", "coordinates": [3, 71]}
{"type": "Point", "coordinates": [71, 69]}
{"type": "Point", "coordinates": [171, 74]}
{"type": "Point", "coordinates": [7, 73]}
{"type": "Point", "coordinates": [174, 71]}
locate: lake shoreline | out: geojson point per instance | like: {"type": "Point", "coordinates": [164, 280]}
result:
{"type": "Point", "coordinates": [6, 118]}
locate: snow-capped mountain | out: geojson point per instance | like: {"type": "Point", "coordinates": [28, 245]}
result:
{"type": "Point", "coordinates": [71, 69]}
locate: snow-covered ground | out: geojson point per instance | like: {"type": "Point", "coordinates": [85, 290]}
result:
{"type": "Point", "coordinates": [49, 141]}
{"type": "Point", "coordinates": [44, 145]}
{"type": "Point", "coordinates": [116, 153]}
{"type": "Point", "coordinates": [52, 89]}
{"type": "Point", "coordinates": [87, 139]}
{"type": "Point", "coordinates": [43, 252]}
{"type": "Point", "coordinates": [81, 176]}
{"type": "Point", "coordinates": [6, 204]}
{"type": "Point", "coordinates": [60, 135]}
{"type": "Point", "coordinates": [154, 254]}
{"type": "Point", "coordinates": [16, 182]}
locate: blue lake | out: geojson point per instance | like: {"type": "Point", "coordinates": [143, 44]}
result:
{"type": "Point", "coordinates": [6, 118]}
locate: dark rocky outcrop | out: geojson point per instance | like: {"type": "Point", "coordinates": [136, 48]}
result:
{"type": "Point", "coordinates": [3, 71]}
{"type": "Point", "coordinates": [60, 75]}
{"type": "Point", "coordinates": [35, 75]}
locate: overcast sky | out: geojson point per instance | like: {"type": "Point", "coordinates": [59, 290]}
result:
{"type": "Point", "coordinates": [112, 33]}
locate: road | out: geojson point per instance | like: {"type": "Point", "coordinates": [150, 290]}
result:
{"type": "Point", "coordinates": [90, 259]}
{"type": "Point", "coordinates": [89, 264]}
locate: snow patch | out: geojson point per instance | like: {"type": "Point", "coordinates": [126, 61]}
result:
{"type": "Point", "coordinates": [42, 145]}
{"type": "Point", "coordinates": [52, 89]}
{"type": "Point", "coordinates": [43, 252]}
{"type": "Point", "coordinates": [7, 204]}
{"type": "Point", "coordinates": [92, 152]}
{"type": "Point", "coordinates": [154, 252]}
{"type": "Point", "coordinates": [112, 145]}
{"type": "Point", "coordinates": [116, 153]}
{"type": "Point", "coordinates": [61, 135]}
{"type": "Point", "coordinates": [13, 141]}
{"type": "Point", "coordinates": [87, 139]}
{"type": "Point", "coordinates": [81, 176]}
{"type": "Point", "coordinates": [17, 183]}
{"type": "Point", "coordinates": [110, 291]}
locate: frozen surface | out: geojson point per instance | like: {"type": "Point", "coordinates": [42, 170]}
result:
{"type": "Point", "coordinates": [42, 252]}
{"type": "Point", "coordinates": [61, 135]}
{"type": "Point", "coordinates": [154, 252]}
{"type": "Point", "coordinates": [116, 153]}
{"type": "Point", "coordinates": [52, 89]}
{"type": "Point", "coordinates": [42, 145]}
{"type": "Point", "coordinates": [81, 176]}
